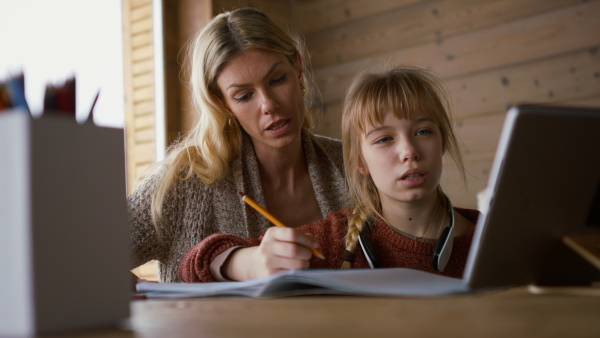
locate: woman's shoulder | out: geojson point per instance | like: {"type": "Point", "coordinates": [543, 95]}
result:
{"type": "Point", "coordinates": [326, 142]}
{"type": "Point", "coordinates": [181, 179]}
{"type": "Point", "coordinates": [326, 147]}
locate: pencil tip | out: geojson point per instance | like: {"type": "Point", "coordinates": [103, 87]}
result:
{"type": "Point", "coordinates": [241, 194]}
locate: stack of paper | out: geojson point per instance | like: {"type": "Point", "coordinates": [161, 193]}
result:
{"type": "Point", "coordinates": [370, 282]}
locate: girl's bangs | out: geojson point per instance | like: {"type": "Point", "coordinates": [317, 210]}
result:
{"type": "Point", "coordinates": [399, 95]}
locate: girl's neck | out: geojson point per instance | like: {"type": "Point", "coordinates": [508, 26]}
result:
{"type": "Point", "coordinates": [419, 218]}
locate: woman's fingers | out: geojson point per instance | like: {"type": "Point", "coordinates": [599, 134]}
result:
{"type": "Point", "coordinates": [286, 249]}
{"type": "Point", "coordinates": [289, 235]}
{"type": "Point", "coordinates": [291, 250]}
{"type": "Point", "coordinates": [278, 264]}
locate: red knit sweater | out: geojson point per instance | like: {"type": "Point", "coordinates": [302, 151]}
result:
{"type": "Point", "coordinates": [392, 249]}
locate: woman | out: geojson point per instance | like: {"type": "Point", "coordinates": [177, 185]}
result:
{"type": "Point", "coordinates": [250, 88]}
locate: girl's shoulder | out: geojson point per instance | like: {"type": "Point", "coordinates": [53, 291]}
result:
{"type": "Point", "coordinates": [466, 221]}
{"type": "Point", "coordinates": [470, 214]}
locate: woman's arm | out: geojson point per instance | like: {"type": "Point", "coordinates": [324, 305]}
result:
{"type": "Point", "coordinates": [279, 249]}
{"type": "Point", "coordinates": [144, 239]}
{"type": "Point", "coordinates": [195, 265]}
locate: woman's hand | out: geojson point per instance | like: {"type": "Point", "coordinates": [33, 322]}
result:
{"type": "Point", "coordinates": [281, 249]}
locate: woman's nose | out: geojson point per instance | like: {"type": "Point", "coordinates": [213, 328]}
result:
{"type": "Point", "coordinates": [269, 104]}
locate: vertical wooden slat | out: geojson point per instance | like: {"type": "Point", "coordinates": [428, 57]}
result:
{"type": "Point", "coordinates": [138, 56]}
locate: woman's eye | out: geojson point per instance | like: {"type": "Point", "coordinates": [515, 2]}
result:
{"type": "Point", "coordinates": [278, 80]}
{"type": "Point", "coordinates": [242, 98]}
{"type": "Point", "coordinates": [383, 139]}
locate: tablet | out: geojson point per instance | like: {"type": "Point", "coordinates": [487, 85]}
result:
{"type": "Point", "coordinates": [543, 186]}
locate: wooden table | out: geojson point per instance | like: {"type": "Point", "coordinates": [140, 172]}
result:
{"type": "Point", "coordinates": [509, 313]}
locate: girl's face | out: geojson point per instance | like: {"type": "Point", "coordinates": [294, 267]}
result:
{"type": "Point", "coordinates": [262, 89]}
{"type": "Point", "coordinates": [404, 159]}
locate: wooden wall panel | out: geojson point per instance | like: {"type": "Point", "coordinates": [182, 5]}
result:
{"type": "Point", "coordinates": [278, 10]}
{"type": "Point", "coordinates": [545, 35]}
{"type": "Point", "coordinates": [562, 78]}
{"type": "Point", "coordinates": [138, 87]}
{"type": "Point", "coordinates": [415, 24]}
{"type": "Point", "coordinates": [490, 53]}
{"type": "Point", "coordinates": [316, 15]}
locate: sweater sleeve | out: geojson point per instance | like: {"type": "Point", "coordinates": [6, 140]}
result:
{"type": "Point", "coordinates": [330, 233]}
{"type": "Point", "coordinates": [145, 241]}
{"type": "Point", "coordinates": [195, 266]}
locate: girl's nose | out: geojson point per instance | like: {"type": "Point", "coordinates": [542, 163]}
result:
{"type": "Point", "coordinates": [408, 151]}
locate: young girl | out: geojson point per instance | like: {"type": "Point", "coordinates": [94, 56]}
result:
{"type": "Point", "coordinates": [395, 130]}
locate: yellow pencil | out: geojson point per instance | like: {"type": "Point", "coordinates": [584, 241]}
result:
{"type": "Point", "coordinates": [271, 218]}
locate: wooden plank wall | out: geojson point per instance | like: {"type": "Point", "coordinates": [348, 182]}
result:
{"type": "Point", "coordinates": [491, 53]}
{"type": "Point", "coordinates": [138, 87]}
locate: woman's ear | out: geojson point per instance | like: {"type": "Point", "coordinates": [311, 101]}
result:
{"type": "Point", "coordinates": [222, 102]}
{"type": "Point", "coordinates": [300, 68]}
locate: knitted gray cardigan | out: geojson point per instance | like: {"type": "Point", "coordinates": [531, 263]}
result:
{"type": "Point", "coordinates": [194, 210]}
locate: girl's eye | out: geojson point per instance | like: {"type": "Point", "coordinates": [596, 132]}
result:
{"type": "Point", "coordinates": [242, 98]}
{"type": "Point", "coordinates": [424, 132]}
{"type": "Point", "coordinates": [278, 80]}
{"type": "Point", "coordinates": [383, 139]}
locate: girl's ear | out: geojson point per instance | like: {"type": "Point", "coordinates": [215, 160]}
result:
{"type": "Point", "coordinates": [362, 168]}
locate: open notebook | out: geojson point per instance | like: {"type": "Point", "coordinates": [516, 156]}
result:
{"type": "Point", "coordinates": [542, 185]}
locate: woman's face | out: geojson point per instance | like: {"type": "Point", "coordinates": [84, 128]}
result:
{"type": "Point", "coordinates": [262, 89]}
{"type": "Point", "coordinates": [404, 159]}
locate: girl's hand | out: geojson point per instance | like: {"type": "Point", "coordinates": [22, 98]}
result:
{"type": "Point", "coordinates": [281, 249]}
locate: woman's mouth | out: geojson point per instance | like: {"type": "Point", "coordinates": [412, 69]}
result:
{"type": "Point", "coordinates": [279, 127]}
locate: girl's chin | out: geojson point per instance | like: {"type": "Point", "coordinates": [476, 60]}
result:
{"type": "Point", "coordinates": [415, 196]}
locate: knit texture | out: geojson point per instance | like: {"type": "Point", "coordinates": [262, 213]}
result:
{"type": "Point", "coordinates": [194, 210]}
{"type": "Point", "coordinates": [392, 249]}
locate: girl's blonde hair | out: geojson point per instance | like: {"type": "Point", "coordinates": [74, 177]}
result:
{"type": "Point", "coordinates": [209, 147]}
{"type": "Point", "coordinates": [403, 90]}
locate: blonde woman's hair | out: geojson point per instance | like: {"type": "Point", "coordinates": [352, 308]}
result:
{"type": "Point", "coordinates": [404, 91]}
{"type": "Point", "coordinates": [209, 147]}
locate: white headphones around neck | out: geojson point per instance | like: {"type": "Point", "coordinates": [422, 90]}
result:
{"type": "Point", "coordinates": [441, 253]}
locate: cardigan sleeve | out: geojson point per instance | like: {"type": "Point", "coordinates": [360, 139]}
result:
{"type": "Point", "coordinates": [146, 242]}
{"type": "Point", "coordinates": [195, 266]}
{"type": "Point", "coordinates": [330, 232]}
